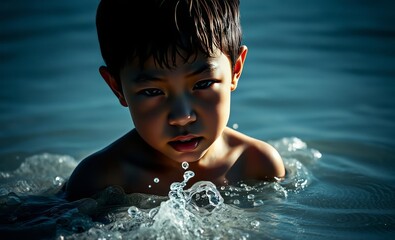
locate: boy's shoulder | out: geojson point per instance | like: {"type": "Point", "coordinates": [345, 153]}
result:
{"type": "Point", "coordinates": [258, 159]}
{"type": "Point", "coordinates": [106, 167]}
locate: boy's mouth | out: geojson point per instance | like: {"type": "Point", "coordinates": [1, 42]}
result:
{"type": "Point", "coordinates": [185, 143]}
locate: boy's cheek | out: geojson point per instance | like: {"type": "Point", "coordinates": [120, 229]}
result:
{"type": "Point", "coordinates": [145, 115]}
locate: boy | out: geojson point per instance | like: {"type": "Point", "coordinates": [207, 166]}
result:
{"type": "Point", "coordinates": [174, 64]}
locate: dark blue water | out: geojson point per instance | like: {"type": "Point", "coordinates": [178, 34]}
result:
{"type": "Point", "coordinates": [319, 84]}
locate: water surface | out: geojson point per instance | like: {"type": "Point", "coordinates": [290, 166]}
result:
{"type": "Point", "coordinates": [318, 84]}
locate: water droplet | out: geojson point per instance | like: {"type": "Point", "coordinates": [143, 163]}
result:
{"type": "Point", "coordinates": [236, 202]}
{"type": "Point", "coordinates": [198, 232]}
{"type": "Point", "coordinates": [255, 223]}
{"type": "Point", "coordinates": [58, 181]}
{"type": "Point", "coordinates": [235, 126]}
{"type": "Point", "coordinates": [156, 180]}
{"type": "Point", "coordinates": [149, 186]}
{"type": "Point", "coordinates": [134, 212]}
{"type": "Point", "coordinates": [175, 186]}
{"type": "Point", "coordinates": [250, 196]}
{"type": "Point", "coordinates": [214, 198]}
{"type": "Point", "coordinates": [153, 212]}
{"type": "Point", "coordinates": [258, 203]}
{"type": "Point", "coordinates": [188, 175]}
{"type": "Point", "coordinates": [185, 165]}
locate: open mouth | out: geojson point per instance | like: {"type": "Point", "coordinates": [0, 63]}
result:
{"type": "Point", "coordinates": [186, 145]}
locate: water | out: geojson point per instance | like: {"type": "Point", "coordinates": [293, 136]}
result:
{"type": "Point", "coordinates": [318, 84]}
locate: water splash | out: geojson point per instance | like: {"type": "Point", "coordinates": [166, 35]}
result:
{"type": "Point", "coordinates": [184, 207]}
{"type": "Point", "coordinates": [240, 211]}
{"type": "Point", "coordinates": [193, 213]}
{"type": "Point", "coordinates": [38, 174]}
{"type": "Point", "coordinates": [205, 212]}
{"type": "Point", "coordinates": [295, 148]}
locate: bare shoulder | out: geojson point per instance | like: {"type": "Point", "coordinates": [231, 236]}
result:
{"type": "Point", "coordinates": [86, 179]}
{"type": "Point", "coordinates": [258, 159]}
{"type": "Point", "coordinates": [101, 169]}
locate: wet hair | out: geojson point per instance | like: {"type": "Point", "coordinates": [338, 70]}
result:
{"type": "Point", "coordinates": [164, 29]}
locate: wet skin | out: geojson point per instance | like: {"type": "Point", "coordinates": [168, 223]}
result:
{"type": "Point", "coordinates": [180, 115]}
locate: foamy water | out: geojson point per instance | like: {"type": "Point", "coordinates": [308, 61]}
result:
{"type": "Point", "coordinates": [29, 203]}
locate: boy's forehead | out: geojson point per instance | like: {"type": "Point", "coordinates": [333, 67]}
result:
{"type": "Point", "coordinates": [195, 61]}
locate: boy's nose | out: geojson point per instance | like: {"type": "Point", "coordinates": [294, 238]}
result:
{"type": "Point", "coordinates": [181, 113]}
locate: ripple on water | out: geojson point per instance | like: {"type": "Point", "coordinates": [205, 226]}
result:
{"type": "Point", "coordinates": [362, 194]}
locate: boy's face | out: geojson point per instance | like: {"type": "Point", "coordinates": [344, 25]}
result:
{"type": "Point", "coordinates": [182, 111]}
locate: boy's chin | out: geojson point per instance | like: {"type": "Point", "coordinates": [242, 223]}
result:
{"type": "Point", "coordinates": [187, 157]}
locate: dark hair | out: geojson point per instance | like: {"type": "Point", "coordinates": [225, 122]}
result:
{"type": "Point", "coordinates": [164, 29]}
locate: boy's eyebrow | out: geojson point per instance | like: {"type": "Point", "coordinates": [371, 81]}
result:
{"type": "Point", "coordinates": [144, 77]}
{"type": "Point", "coordinates": [207, 67]}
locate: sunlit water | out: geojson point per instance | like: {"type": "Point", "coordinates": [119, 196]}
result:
{"type": "Point", "coordinates": [318, 85]}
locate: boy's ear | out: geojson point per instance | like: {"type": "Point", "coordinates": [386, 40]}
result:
{"type": "Point", "coordinates": [113, 84]}
{"type": "Point", "coordinates": [238, 68]}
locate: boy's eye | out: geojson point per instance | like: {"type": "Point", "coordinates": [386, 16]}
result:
{"type": "Point", "coordinates": [150, 92]}
{"type": "Point", "coordinates": [203, 84]}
